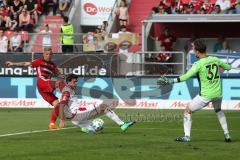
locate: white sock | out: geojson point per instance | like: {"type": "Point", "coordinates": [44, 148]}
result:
{"type": "Point", "coordinates": [113, 116]}
{"type": "Point", "coordinates": [222, 119]}
{"type": "Point", "coordinates": [187, 123]}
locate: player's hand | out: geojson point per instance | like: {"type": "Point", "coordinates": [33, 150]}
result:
{"type": "Point", "coordinates": [62, 123]}
{"type": "Point", "coordinates": [162, 81]}
{"type": "Point", "coordinates": [61, 76]}
{"type": "Point", "coordinates": [9, 63]}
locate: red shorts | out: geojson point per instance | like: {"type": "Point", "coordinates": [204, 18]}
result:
{"type": "Point", "coordinates": [46, 89]}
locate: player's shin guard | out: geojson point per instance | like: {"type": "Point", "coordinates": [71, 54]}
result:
{"type": "Point", "coordinates": [54, 114]}
{"type": "Point", "coordinates": [187, 123]}
{"type": "Point", "coordinates": [113, 116]}
{"type": "Point", "coordinates": [222, 119]}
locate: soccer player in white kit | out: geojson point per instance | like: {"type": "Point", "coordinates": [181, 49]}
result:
{"type": "Point", "coordinates": [70, 109]}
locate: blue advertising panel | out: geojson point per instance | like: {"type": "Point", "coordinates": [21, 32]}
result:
{"type": "Point", "coordinates": [231, 58]}
{"type": "Point", "coordinates": [124, 88]}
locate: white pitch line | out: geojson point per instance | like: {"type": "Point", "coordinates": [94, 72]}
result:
{"type": "Point", "coordinates": [30, 132]}
{"type": "Point", "coordinates": [143, 128]}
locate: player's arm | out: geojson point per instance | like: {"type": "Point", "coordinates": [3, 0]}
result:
{"type": "Point", "coordinates": [18, 64]}
{"type": "Point", "coordinates": [64, 101]}
{"type": "Point", "coordinates": [190, 73]}
{"type": "Point", "coordinates": [59, 73]}
{"type": "Point", "coordinates": [166, 81]}
{"type": "Point", "coordinates": [225, 66]}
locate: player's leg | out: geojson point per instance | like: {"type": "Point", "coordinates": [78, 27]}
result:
{"type": "Point", "coordinates": [54, 115]}
{"type": "Point", "coordinates": [81, 119]}
{"type": "Point", "coordinates": [53, 100]}
{"type": "Point", "coordinates": [217, 102]}
{"type": "Point", "coordinates": [113, 116]}
{"type": "Point", "coordinates": [197, 104]}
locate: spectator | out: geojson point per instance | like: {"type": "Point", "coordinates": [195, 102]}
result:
{"type": "Point", "coordinates": [15, 42]}
{"type": "Point", "coordinates": [3, 43]}
{"type": "Point", "coordinates": [161, 9]}
{"type": "Point", "coordinates": [63, 5]}
{"type": "Point", "coordinates": [12, 22]}
{"type": "Point", "coordinates": [216, 10]}
{"type": "Point", "coordinates": [208, 6]}
{"type": "Point", "coordinates": [5, 5]}
{"type": "Point", "coordinates": [155, 10]}
{"type": "Point", "coordinates": [45, 4]}
{"type": "Point", "coordinates": [219, 44]}
{"type": "Point", "coordinates": [225, 47]}
{"type": "Point", "coordinates": [237, 7]}
{"type": "Point", "coordinates": [31, 6]}
{"type": "Point", "coordinates": [188, 46]}
{"type": "Point", "coordinates": [123, 29]}
{"type": "Point", "coordinates": [16, 7]}
{"type": "Point", "coordinates": [104, 26]}
{"type": "Point", "coordinates": [46, 39]}
{"type": "Point", "coordinates": [122, 13]}
{"type": "Point", "coordinates": [189, 9]}
{"type": "Point", "coordinates": [167, 39]}
{"type": "Point", "coordinates": [224, 5]}
{"type": "Point", "coordinates": [197, 5]}
{"type": "Point", "coordinates": [89, 38]}
{"type": "Point", "coordinates": [24, 2]}
{"type": "Point", "coordinates": [67, 37]}
{"type": "Point", "coordinates": [168, 6]}
{"type": "Point", "coordinates": [25, 21]}
{"type": "Point", "coordinates": [162, 57]}
{"type": "Point", "coordinates": [4, 15]}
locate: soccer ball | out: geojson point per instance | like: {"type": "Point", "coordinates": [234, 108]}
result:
{"type": "Point", "coordinates": [97, 124]}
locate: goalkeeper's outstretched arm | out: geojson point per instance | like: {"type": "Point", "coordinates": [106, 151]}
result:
{"type": "Point", "coordinates": [166, 81]}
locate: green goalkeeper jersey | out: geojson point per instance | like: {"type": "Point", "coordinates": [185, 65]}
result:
{"type": "Point", "coordinates": [207, 71]}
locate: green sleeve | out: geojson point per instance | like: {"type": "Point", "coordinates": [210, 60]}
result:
{"type": "Point", "coordinates": [224, 65]}
{"type": "Point", "coordinates": [190, 73]}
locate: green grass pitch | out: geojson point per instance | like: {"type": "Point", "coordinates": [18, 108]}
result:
{"type": "Point", "coordinates": [151, 138]}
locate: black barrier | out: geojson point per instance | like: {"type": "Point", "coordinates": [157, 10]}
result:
{"type": "Point", "coordinates": [92, 64]}
{"type": "Point", "coordinates": [87, 64]}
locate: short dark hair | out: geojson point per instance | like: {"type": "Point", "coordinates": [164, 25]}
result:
{"type": "Point", "coordinates": [70, 77]}
{"type": "Point", "coordinates": [65, 19]}
{"type": "Point", "coordinates": [200, 46]}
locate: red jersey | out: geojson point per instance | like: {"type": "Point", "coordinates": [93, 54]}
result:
{"type": "Point", "coordinates": [45, 86]}
{"type": "Point", "coordinates": [44, 69]}
{"type": "Point", "coordinates": [167, 41]}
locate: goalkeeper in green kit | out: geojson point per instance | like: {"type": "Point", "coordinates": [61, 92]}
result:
{"type": "Point", "coordinates": [207, 71]}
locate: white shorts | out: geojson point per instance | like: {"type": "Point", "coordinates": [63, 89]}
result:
{"type": "Point", "coordinates": [85, 114]}
{"type": "Point", "coordinates": [201, 102]}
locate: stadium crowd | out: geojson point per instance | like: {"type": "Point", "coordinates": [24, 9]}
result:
{"type": "Point", "coordinates": [197, 7]}
{"type": "Point", "coordinates": [19, 17]}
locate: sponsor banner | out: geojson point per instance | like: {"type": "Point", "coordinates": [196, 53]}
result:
{"type": "Point", "coordinates": [133, 92]}
{"type": "Point", "coordinates": [88, 64]}
{"type": "Point", "coordinates": [231, 58]}
{"type": "Point", "coordinates": [94, 12]}
{"type": "Point", "coordinates": [140, 104]}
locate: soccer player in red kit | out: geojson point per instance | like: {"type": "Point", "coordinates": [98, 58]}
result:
{"type": "Point", "coordinates": [45, 68]}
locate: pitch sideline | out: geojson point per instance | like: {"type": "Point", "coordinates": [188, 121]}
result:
{"type": "Point", "coordinates": [144, 128]}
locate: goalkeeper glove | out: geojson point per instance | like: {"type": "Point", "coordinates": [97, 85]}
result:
{"type": "Point", "coordinates": [162, 81]}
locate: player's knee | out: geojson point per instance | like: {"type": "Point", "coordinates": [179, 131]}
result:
{"type": "Point", "coordinates": [55, 103]}
{"type": "Point", "coordinates": [103, 108]}
{"type": "Point", "coordinates": [217, 110]}
{"type": "Point", "coordinates": [188, 111]}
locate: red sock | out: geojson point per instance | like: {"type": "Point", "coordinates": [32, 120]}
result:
{"type": "Point", "coordinates": [54, 114]}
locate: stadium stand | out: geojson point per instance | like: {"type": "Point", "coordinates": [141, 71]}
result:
{"type": "Point", "coordinates": [54, 23]}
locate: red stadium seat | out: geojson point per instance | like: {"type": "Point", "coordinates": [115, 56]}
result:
{"type": "Point", "coordinates": [8, 34]}
{"type": "Point", "coordinates": [24, 35]}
